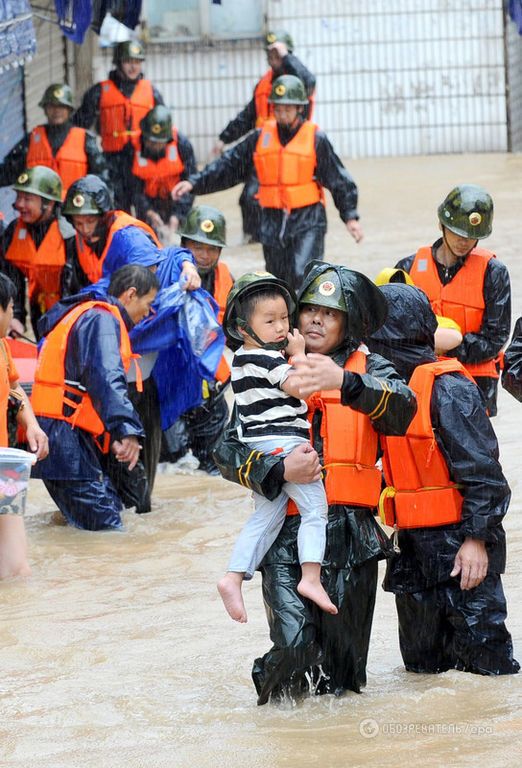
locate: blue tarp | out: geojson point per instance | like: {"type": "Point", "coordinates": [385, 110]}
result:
{"type": "Point", "coordinates": [183, 329]}
{"type": "Point", "coordinates": [17, 37]}
{"type": "Point", "coordinates": [515, 11]}
{"type": "Point", "coordinates": [74, 17]}
{"type": "Point", "coordinates": [190, 341]}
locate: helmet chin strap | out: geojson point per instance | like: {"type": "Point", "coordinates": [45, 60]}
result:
{"type": "Point", "coordinates": [456, 255]}
{"type": "Point", "coordinates": [276, 346]}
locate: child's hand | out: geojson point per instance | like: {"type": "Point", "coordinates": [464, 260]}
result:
{"type": "Point", "coordinates": [296, 343]}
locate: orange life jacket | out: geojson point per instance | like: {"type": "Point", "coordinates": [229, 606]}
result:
{"type": "Point", "coordinates": [420, 492]}
{"type": "Point", "coordinates": [52, 394]}
{"type": "Point", "coordinates": [264, 109]}
{"type": "Point", "coordinates": [120, 117]}
{"type": "Point", "coordinates": [42, 266]}
{"type": "Point", "coordinates": [262, 91]}
{"type": "Point", "coordinates": [286, 174]}
{"type": "Point", "coordinates": [160, 176]}
{"type": "Point", "coordinates": [91, 264]}
{"type": "Point", "coordinates": [462, 298]}
{"type": "Point", "coordinates": [70, 162]}
{"type": "Point", "coordinates": [349, 447]}
{"type": "Point", "coordinates": [222, 284]}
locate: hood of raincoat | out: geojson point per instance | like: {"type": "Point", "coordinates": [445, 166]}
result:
{"type": "Point", "coordinates": [407, 337]}
{"type": "Point", "coordinates": [366, 306]}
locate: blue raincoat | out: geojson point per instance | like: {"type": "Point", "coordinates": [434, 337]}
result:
{"type": "Point", "coordinates": [183, 328]}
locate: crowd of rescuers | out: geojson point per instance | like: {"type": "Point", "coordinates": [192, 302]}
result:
{"type": "Point", "coordinates": [410, 364]}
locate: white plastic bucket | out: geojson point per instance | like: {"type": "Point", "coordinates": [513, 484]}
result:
{"type": "Point", "coordinates": [15, 469]}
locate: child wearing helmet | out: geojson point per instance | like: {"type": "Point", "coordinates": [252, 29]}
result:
{"type": "Point", "coordinates": [272, 418]}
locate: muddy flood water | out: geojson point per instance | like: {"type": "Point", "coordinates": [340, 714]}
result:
{"type": "Point", "coordinates": [117, 652]}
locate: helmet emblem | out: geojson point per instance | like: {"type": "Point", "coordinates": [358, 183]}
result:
{"type": "Point", "coordinates": [207, 226]}
{"type": "Point", "coordinates": [271, 38]}
{"type": "Point", "coordinates": [58, 93]}
{"type": "Point", "coordinates": [475, 218]}
{"type": "Point", "coordinates": [280, 90]}
{"type": "Point", "coordinates": [78, 201]}
{"type": "Point", "coordinates": [327, 288]}
{"type": "Point", "coordinates": [23, 178]}
{"type": "Point", "coordinates": [156, 128]}
{"type": "Point", "coordinates": [133, 48]}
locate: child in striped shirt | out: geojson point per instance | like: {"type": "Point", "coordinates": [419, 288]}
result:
{"type": "Point", "coordinates": [273, 418]}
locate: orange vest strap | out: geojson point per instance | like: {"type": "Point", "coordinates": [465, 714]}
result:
{"type": "Point", "coordinates": [223, 282]}
{"type": "Point", "coordinates": [262, 91]}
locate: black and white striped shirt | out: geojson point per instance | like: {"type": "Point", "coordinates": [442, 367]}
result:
{"type": "Point", "coordinates": [264, 409]}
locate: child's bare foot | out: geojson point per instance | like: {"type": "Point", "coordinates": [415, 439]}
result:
{"type": "Point", "coordinates": [315, 591]}
{"type": "Point", "coordinates": [229, 587]}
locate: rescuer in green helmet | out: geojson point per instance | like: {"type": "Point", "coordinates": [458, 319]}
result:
{"type": "Point", "coordinates": [71, 152]}
{"type": "Point", "coordinates": [164, 156]}
{"type": "Point", "coordinates": [115, 107]}
{"type": "Point", "coordinates": [36, 249]}
{"type": "Point", "coordinates": [293, 160]}
{"type": "Point", "coordinates": [467, 284]}
{"type": "Point", "coordinates": [354, 397]}
{"type": "Point", "coordinates": [279, 48]}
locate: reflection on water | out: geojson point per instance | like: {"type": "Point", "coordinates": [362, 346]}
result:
{"type": "Point", "coordinates": [118, 652]}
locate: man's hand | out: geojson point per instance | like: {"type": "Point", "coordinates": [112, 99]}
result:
{"type": "Point", "coordinates": [354, 228]}
{"type": "Point", "coordinates": [302, 465]}
{"type": "Point", "coordinates": [318, 372]}
{"type": "Point", "coordinates": [16, 326]}
{"type": "Point", "coordinates": [471, 562]}
{"type": "Point", "coordinates": [192, 279]}
{"type": "Point", "coordinates": [296, 343]}
{"type": "Point", "coordinates": [280, 48]}
{"type": "Point", "coordinates": [37, 441]}
{"type": "Point", "coordinates": [218, 148]}
{"type": "Point", "coordinates": [181, 188]}
{"type": "Point", "coordinates": [127, 450]}
{"type": "Point", "coordinates": [154, 219]}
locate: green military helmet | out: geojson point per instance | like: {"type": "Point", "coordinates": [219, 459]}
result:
{"type": "Point", "coordinates": [288, 89]}
{"type": "Point", "coordinates": [88, 196]}
{"type": "Point", "coordinates": [205, 224]}
{"type": "Point", "coordinates": [130, 49]}
{"type": "Point", "coordinates": [57, 94]}
{"type": "Point", "coordinates": [246, 285]}
{"type": "Point", "coordinates": [157, 125]}
{"type": "Point", "coordinates": [40, 180]}
{"type": "Point", "coordinates": [467, 211]}
{"type": "Point", "coordinates": [325, 290]}
{"type": "Point", "coordinates": [337, 287]}
{"type": "Point", "coordinates": [279, 36]}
